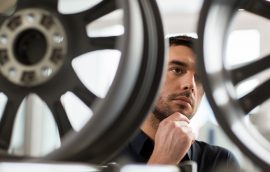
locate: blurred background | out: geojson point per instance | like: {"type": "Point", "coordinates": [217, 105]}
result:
{"type": "Point", "coordinates": [248, 39]}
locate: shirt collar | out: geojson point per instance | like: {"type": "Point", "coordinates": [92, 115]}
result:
{"type": "Point", "coordinates": [139, 141]}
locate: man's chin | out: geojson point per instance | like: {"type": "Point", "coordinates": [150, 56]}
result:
{"type": "Point", "coordinates": [159, 115]}
{"type": "Point", "coordinates": [162, 117]}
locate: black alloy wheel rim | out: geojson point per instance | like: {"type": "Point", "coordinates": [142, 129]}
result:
{"type": "Point", "coordinates": [130, 96]}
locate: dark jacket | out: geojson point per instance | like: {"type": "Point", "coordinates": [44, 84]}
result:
{"type": "Point", "coordinates": [208, 157]}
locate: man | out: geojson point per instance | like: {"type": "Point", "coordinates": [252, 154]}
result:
{"type": "Point", "coordinates": [165, 136]}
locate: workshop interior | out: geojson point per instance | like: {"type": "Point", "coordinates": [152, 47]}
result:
{"type": "Point", "coordinates": [78, 77]}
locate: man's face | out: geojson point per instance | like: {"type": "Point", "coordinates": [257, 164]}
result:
{"type": "Point", "coordinates": [182, 91]}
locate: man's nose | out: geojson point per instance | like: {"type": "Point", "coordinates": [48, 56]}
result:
{"type": "Point", "coordinates": [188, 82]}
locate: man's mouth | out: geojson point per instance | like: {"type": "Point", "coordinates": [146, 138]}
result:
{"type": "Point", "coordinates": [183, 99]}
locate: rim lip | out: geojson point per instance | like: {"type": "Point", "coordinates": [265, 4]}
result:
{"type": "Point", "coordinates": [229, 115]}
{"type": "Point", "coordinates": [134, 97]}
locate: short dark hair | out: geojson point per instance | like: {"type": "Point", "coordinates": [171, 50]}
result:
{"type": "Point", "coordinates": [183, 40]}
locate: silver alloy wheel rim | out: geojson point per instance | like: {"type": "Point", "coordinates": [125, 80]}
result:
{"type": "Point", "coordinates": [219, 83]}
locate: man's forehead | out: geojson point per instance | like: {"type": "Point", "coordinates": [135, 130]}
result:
{"type": "Point", "coordinates": [181, 55]}
{"type": "Point", "coordinates": [181, 51]}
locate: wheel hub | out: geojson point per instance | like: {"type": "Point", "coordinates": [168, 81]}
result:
{"type": "Point", "coordinates": [30, 47]}
{"type": "Point", "coordinates": [33, 46]}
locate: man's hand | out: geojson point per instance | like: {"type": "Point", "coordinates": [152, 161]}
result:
{"type": "Point", "coordinates": [172, 140]}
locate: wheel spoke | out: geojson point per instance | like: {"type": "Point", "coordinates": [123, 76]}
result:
{"type": "Point", "coordinates": [60, 116]}
{"type": "Point", "coordinates": [256, 97]}
{"type": "Point", "coordinates": [258, 7]}
{"type": "Point", "coordinates": [7, 122]}
{"type": "Point", "coordinates": [100, 43]}
{"type": "Point", "coordinates": [244, 72]}
{"type": "Point", "coordinates": [87, 44]}
{"type": "Point", "coordinates": [86, 96]}
{"type": "Point", "coordinates": [52, 4]}
{"type": "Point", "coordinates": [94, 44]}
{"type": "Point", "coordinates": [81, 20]}
{"type": "Point", "coordinates": [82, 92]}
{"type": "Point", "coordinates": [99, 10]}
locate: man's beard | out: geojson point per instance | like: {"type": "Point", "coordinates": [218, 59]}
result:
{"type": "Point", "coordinates": [163, 113]}
{"type": "Point", "coordinates": [162, 109]}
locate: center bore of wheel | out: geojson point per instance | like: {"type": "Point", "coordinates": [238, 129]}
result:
{"type": "Point", "coordinates": [30, 47]}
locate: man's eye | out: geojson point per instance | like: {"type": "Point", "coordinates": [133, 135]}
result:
{"type": "Point", "coordinates": [178, 71]}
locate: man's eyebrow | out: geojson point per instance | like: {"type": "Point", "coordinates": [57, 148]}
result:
{"type": "Point", "coordinates": [176, 62]}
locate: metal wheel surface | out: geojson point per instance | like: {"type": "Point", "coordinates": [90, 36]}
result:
{"type": "Point", "coordinates": [37, 47]}
{"type": "Point", "coordinates": [221, 82]}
